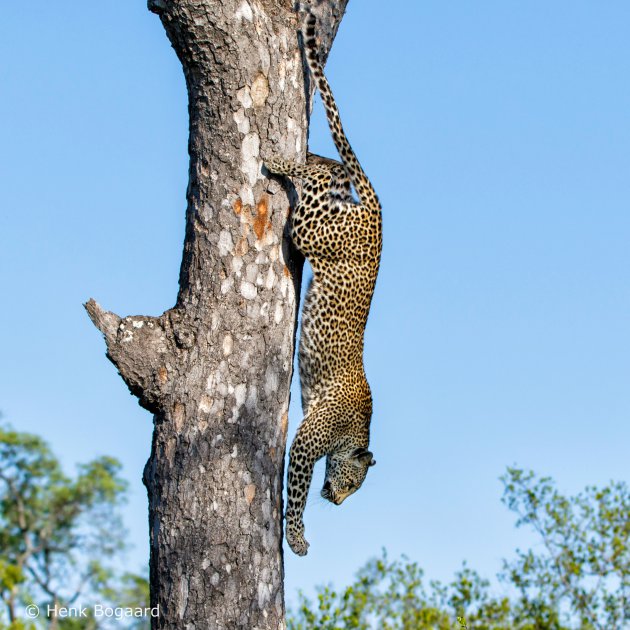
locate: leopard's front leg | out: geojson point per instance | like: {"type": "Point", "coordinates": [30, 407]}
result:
{"type": "Point", "coordinates": [310, 444]}
{"type": "Point", "coordinates": [301, 464]}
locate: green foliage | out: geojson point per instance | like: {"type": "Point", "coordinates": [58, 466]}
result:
{"type": "Point", "coordinates": [10, 576]}
{"type": "Point", "coordinates": [56, 533]}
{"type": "Point", "coordinates": [393, 595]}
{"type": "Point", "coordinates": [583, 563]}
{"type": "Point", "coordinates": [130, 591]}
{"type": "Point", "coordinates": [577, 578]}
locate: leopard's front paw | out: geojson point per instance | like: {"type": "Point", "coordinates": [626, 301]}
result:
{"type": "Point", "coordinates": [296, 540]}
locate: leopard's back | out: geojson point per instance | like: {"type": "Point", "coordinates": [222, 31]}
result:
{"type": "Point", "coordinates": [344, 252]}
{"type": "Point", "coordinates": [342, 239]}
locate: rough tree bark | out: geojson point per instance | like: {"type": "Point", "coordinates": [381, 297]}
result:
{"type": "Point", "coordinates": [215, 370]}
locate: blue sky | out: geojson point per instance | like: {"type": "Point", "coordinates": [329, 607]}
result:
{"type": "Point", "coordinates": [498, 136]}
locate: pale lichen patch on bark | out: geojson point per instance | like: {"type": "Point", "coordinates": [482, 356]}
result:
{"type": "Point", "coordinates": [252, 398]}
{"type": "Point", "coordinates": [228, 345]}
{"type": "Point", "coordinates": [251, 271]}
{"type": "Point", "coordinates": [271, 381]}
{"type": "Point", "coordinates": [244, 97]}
{"type": "Point", "coordinates": [248, 290]}
{"type": "Point", "coordinates": [225, 244]}
{"type": "Point", "coordinates": [270, 280]}
{"type": "Point", "coordinates": [260, 90]}
{"type": "Point", "coordinates": [237, 265]}
{"type": "Point", "coordinates": [282, 70]}
{"type": "Point", "coordinates": [247, 194]}
{"type": "Point", "coordinates": [240, 392]}
{"type": "Point", "coordinates": [278, 313]}
{"type": "Point", "coordinates": [242, 121]}
{"type": "Point", "coordinates": [264, 594]}
{"type": "Point", "coordinates": [284, 285]}
{"type": "Point", "coordinates": [250, 151]}
{"type": "Point", "coordinates": [227, 284]}
{"type": "Point", "coordinates": [215, 321]}
{"type": "Point", "coordinates": [183, 601]}
{"type": "Point", "coordinates": [294, 130]}
{"type": "Point", "coordinates": [244, 11]}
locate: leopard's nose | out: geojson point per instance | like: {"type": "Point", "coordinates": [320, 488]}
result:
{"type": "Point", "coordinates": [326, 487]}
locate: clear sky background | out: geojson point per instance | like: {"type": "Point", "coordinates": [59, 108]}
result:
{"type": "Point", "coordinates": [498, 136]}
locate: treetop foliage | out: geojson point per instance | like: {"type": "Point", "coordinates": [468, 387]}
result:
{"type": "Point", "coordinates": [57, 533]}
{"type": "Point", "coordinates": [578, 577]}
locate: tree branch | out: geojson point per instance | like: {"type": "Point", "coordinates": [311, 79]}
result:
{"type": "Point", "coordinates": [140, 347]}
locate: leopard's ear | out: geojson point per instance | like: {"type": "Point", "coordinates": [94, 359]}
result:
{"type": "Point", "coordinates": [364, 456]}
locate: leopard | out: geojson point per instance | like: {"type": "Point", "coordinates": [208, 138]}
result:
{"type": "Point", "coordinates": [342, 240]}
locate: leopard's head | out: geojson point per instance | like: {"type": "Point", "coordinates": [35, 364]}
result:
{"type": "Point", "coordinates": [345, 472]}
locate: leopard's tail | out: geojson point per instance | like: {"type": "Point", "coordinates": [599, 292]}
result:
{"type": "Point", "coordinates": [360, 181]}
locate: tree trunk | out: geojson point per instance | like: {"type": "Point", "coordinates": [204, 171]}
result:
{"type": "Point", "coordinates": [215, 370]}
